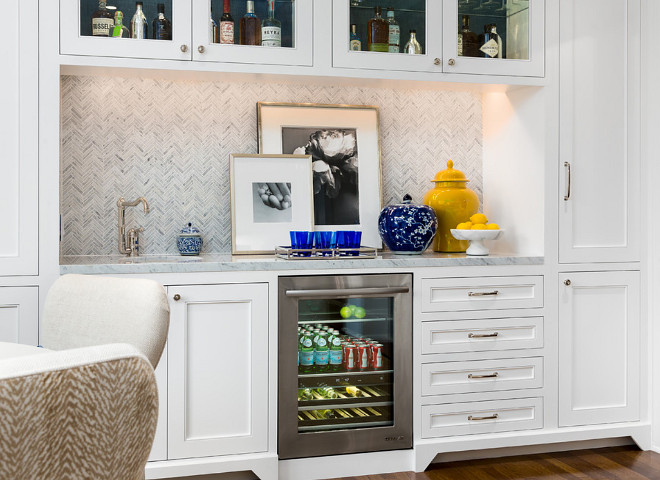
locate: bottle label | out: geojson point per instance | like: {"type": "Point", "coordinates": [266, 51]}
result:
{"type": "Point", "coordinates": [490, 48]}
{"type": "Point", "coordinates": [321, 357]}
{"type": "Point", "coordinates": [271, 37]}
{"type": "Point", "coordinates": [307, 358]}
{"type": "Point", "coordinates": [356, 45]}
{"type": "Point", "coordinates": [460, 44]}
{"type": "Point", "coordinates": [336, 357]}
{"type": "Point", "coordinates": [227, 32]}
{"type": "Point", "coordinates": [101, 26]}
{"type": "Point", "coordinates": [394, 38]}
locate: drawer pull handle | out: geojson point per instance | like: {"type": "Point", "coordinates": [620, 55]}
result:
{"type": "Point", "coordinates": [478, 419]}
{"type": "Point", "coordinates": [483, 335]}
{"type": "Point", "coordinates": [482, 294]}
{"type": "Point", "coordinates": [490, 375]}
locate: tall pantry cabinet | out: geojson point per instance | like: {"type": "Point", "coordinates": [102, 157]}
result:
{"type": "Point", "coordinates": [599, 212]}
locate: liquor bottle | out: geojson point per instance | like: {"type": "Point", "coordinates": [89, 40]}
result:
{"type": "Point", "coordinates": [162, 27]}
{"type": "Point", "coordinates": [226, 25]}
{"type": "Point", "coordinates": [496, 36]}
{"type": "Point", "coordinates": [413, 46]}
{"type": "Point", "coordinates": [356, 43]}
{"type": "Point", "coordinates": [489, 46]}
{"type": "Point", "coordinates": [102, 21]}
{"type": "Point", "coordinates": [250, 28]}
{"type": "Point", "coordinates": [468, 44]}
{"type": "Point", "coordinates": [120, 30]}
{"type": "Point", "coordinates": [139, 23]}
{"type": "Point", "coordinates": [271, 28]}
{"type": "Point", "coordinates": [214, 30]}
{"type": "Point", "coordinates": [377, 32]}
{"type": "Point", "coordinates": [394, 32]}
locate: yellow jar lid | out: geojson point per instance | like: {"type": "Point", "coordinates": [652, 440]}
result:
{"type": "Point", "coordinates": [450, 174]}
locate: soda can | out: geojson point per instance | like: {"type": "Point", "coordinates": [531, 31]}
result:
{"type": "Point", "coordinates": [350, 357]}
{"type": "Point", "coordinates": [377, 356]}
{"type": "Point", "coordinates": [363, 356]}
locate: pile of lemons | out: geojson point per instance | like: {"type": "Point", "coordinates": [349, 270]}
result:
{"type": "Point", "coordinates": [478, 221]}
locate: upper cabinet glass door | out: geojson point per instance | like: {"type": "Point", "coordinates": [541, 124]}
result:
{"type": "Point", "coordinates": [266, 32]}
{"type": "Point", "coordinates": [126, 28]}
{"type": "Point", "coordinates": [395, 35]}
{"type": "Point", "coordinates": [496, 37]}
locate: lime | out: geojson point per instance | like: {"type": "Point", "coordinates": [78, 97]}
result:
{"type": "Point", "coordinates": [353, 308]}
{"type": "Point", "coordinates": [345, 312]}
{"type": "Point", "coordinates": [360, 312]}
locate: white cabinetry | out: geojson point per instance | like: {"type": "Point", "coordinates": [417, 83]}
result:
{"type": "Point", "coordinates": [19, 315]}
{"type": "Point", "coordinates": [599, 347]}
{"type": "Point", "coordinates": [599, 126]}
{"type": "Point", "coordinates": [218, 370]}
{"type": "Point", "coordinates": [19, 133]}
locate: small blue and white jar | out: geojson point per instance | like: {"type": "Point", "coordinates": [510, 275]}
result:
{"type": "Point", "coordinates": [407, 228]}
{"type": "Point", "coordinates": [189, 241]}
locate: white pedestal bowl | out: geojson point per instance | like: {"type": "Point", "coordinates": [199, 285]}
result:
{"type": "Point", "coordinates": [476, 238]}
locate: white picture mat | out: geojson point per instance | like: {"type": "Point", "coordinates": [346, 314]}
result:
{"type": "Point", "coordinates": [250, 237]}
{"type": "Point", "coordinates": [366, 122]}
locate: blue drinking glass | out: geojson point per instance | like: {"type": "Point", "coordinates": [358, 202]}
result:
{"type": "Point", "coordinates": [325, 241]}
{"type": "Point", "coordinates": [348, 239]}
{"type": "Point", "coordinates": [303, 240]}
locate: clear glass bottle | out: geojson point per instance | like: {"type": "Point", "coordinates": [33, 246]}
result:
{"type": "Point", "coordinates": [468, 44]}
{"type": "Point", "coordinates": [271, 28]}
{"type": "Point", "coordinates": [226, 25]}
{"type": "Point", "coordinates": [250, 29]}
{"type": "Point", "coordinates": [139, 23]}
{"type": "Point", "coordinates": [489, 47]}
{"type": "Point", "coordinates": [161, 26]}
{"type": "Point", "coordinates": [213, 28]}
{"type": "Point", "coordinates": [394, 32]}
{"type": "Point", "coordinates": [377, 32]}
{"type": "Point", "coordinates": [356, 43]}
{"type": "Point", "coordinates": [498, 38]}
{"type": "Point", "coordinates": [120, 30]}
{"type": "Point", "coordinates": [413, 47]}
{"type": "Point", "coordinates": [102, 21]}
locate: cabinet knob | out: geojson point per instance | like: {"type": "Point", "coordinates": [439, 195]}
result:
{"type": "Point", "coordinates": [184, 48]}
{"type": "Point", "coordinates": [200, 49]}
{"type": "Point", "coordinates": [437, 61]}
{"type": "Point", "coordinates": [567, 282]}
{"type": "Point", "coordinates": [176, 297]}
{"type": "Point", "coordinates": [451, 62]}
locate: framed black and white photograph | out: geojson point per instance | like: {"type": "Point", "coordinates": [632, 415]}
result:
{"type": "Point", "coordinates": [344, 145]}
{"type": "Point", "coordinates": [270, 196]}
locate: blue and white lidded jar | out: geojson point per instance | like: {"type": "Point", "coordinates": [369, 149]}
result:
{"type": "Point", "coordinates": [407, 228]}
{"type": "Point", "coordinates": [189, 241]}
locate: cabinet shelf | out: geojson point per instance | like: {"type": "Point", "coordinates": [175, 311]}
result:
{"type": "Point", "coordinates": [371, 395]}
{"type": "Point", "coordinates": [345, 379]}
{"type": "Point", "coordinates": [344, 320]}
{"type": "Point", "coordinates": [353, 417]}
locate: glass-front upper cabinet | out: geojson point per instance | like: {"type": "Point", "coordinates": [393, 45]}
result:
{"type": "Point", "coordinates": [267, 32]}
{"type": "Point", "coordinates": [394, 35]}
{"type": "Point", "coordinates": [496, 37]}
{"type": "Point", "coordinates": [126, 28]}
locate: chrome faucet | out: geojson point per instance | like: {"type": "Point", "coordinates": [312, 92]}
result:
{"type": "Point", "coordinates": [129, 241]}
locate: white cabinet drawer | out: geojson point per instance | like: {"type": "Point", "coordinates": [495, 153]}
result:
{"type": "Point", "coordinates": [482, 417]}
{"type": "Point", "coordinates": [482, 376]}
{"type": "Point", "coordinates": [454, 336]}
{"type": "Point", "coordinates": [484, 293]}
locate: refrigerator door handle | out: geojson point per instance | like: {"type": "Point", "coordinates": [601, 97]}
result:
{"type": "Point", "coordinates": [345, 292]}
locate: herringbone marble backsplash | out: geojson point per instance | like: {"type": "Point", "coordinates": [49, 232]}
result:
{"type": "Point", "coordinates": [170, 142]}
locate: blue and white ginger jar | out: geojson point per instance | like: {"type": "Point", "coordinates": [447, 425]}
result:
{"type": "Point", "coordinates": [189, 241]}
{"type": "Point", "coordinates": [407, 228]}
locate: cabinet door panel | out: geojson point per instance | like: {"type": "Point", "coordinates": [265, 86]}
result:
{"type": "Point", "coordinates": [599, 132]}
{"type": "Point", "coordinates": [218, 381]}
{"type": "Point", "coordinates": [599, 338]}
{"type": "Point", "coordinates": [19, 315]}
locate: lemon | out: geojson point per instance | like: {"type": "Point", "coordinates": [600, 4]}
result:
{"type": "Point", "coordinates": [478, 226]}
{"type": "Point", "coordinates": [462, 226]}
{"type": "Point", "coordinates": [478, 218]}
{"type": "Point", "coordinates": [492, 226]}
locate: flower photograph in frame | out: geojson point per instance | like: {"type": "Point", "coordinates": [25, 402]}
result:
{"type": "Point", "coordinates": [270, 196]}
{"type": "Point", "coordinates": [344, 144]}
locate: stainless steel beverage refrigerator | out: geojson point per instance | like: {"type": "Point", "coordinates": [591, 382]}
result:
{"type": "Point", "coordinates": [345, 364]}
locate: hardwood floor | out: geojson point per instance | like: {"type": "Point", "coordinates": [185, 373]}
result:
{"type": "Point", "coordinates": [616, 463]}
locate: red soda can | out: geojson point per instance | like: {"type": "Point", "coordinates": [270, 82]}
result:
{"type": "Point", "coordinates": [363, 356]}
{"type": "Point", "coordinates": [377, 356]}
{"type": "Point", "coordinates": [350, 360]}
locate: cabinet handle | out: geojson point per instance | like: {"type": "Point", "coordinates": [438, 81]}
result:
{"type": "Point", "coordinates": [184, 48]}
{"type": "Point", "coordinates": [451, 62]}
{"type": "Point", "coordinates": [482, 294]}
{"type": "Point", "coordinates": [568, 181]}
{"type": "Point", "coordinates": [567, 282]}
{"type": "Point", "coordinates": [483, 335]}
{"type": "Point", "coordinates": [200, 49]}
{"type": "Point", "coordinates": [477, 419]}
{"type": "Point", "coordinates": [490, 375]}
{"type": "Point", "coordinates": [437, 61]}
{"type": "Point", "coordinates": [176, 297]}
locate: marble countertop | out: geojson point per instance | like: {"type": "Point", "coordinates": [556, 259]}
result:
{"type": "Point", "coordinates": [116, 264]}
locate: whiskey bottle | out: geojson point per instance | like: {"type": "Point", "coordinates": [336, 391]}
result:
{"type": "Point", "coordinates": [377, 32]}
{"type": "Point", "coordinates": [102, 21]}
{"type": "Point", "coordinates": [120, 30]}
{"type": "Point", "coordinates": [489, 47]}
{"type": "Point", "coordinates": [413, 47]}
{"type": "Point", "coordinates": [213, 28]}
{"type": "Point", "coordinates": [161, 27]}
{"type": "Point", "coordinates": [468, 44]}
{"type": "Point", "coordinates": [250, 28]}
{"type": "Point", "coordinates": [226, 25]}
{"type": "Point", "coordinates": [394, 32]}
{"type": "Point", "coordinates": [356, 43]}
{"type": "Point", "coordinates": [139, 23]}
{"type": "Point", "coordinates": [271, 28]}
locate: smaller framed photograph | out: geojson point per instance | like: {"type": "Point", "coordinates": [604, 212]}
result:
{"type": "Point", "coordinates": [270, 196]}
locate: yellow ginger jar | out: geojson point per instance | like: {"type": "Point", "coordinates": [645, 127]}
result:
{"type": "Point", "coordinates": [453, 203]}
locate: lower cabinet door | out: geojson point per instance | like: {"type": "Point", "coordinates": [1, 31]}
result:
{"type": "Point", "coordinates": [217, 370]}
{"type": "Point", "coordinates": [599, 347]}
{"type": "Point", "coordinates": [19, 315]}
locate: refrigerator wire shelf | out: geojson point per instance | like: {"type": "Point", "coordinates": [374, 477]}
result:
{"type": "Point", "coordinates": [361, 253]}
{"type": "Point", "coordinates": [347, 417]}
